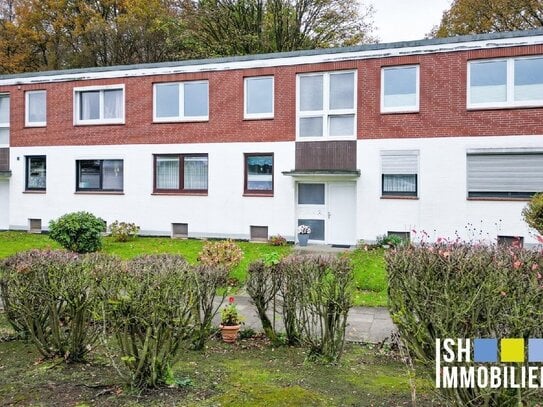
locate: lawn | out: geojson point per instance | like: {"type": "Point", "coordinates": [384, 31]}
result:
{"type": "Point", "coordinates": [250, 373]}
{"type": "Point", "coordinates": [369, 267]}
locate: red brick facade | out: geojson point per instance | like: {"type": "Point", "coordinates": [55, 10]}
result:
{"type": "Point", "coordinates": [442, 106]}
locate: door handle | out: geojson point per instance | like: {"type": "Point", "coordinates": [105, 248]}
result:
{"type": "Point", "coordinates": [329, 214]}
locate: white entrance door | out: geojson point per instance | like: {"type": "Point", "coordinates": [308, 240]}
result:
{"type": "Point", "coordinates": [341, 213]}
{"type": "Point", "coordinates": [329, 208]}
{"type": "Point", "coordinates": [4, 204]}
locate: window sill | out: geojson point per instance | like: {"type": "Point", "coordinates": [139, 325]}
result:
{"type": "Point", "coordinates": [29, 191]}
{"type": "Point", "coordinates": [385, 112]}
{"type": "Point", "coordinates": [99, 193]}
{"type": "Point", "coordinates": [504, 107]}
{"type": "Point", "coordinates": [251, 119]}
{"type": "Point", "coordinates": [412, 198]}
{"type": "Point", "coordinates": [179, 120]}
{"type": "Point", "coordinates": [498, 199]}
{"type": "Point", "coordinates": [35, 126]}
{"type": "Point", "coordinates": [252, 194]}
{"type": "Point", "coordinates": [180, 193]}
{"type": "Point", "coordinates": [98, 123]}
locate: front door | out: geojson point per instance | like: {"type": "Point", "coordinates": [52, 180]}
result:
{"type": "Point", "coordinates": [329, 208]}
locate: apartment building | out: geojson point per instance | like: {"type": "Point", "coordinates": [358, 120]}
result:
{"type": "Point", "coordinates": [438, 136]}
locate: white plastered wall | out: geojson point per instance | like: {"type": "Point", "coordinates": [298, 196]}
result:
{"type": "Point", "coordinates": [442, 209]}
{"type": "Point", "coordinates": [224, 212]}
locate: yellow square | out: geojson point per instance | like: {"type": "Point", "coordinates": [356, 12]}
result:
{"type": "Point", "coordinates": [512, 350]}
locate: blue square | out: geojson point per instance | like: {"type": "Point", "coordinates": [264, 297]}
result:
{"type": "Point", "coordinates": [485, 350]}
{"type": "Point", "coordinates": [535, 350]}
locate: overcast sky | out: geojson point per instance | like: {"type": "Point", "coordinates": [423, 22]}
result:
{"type": "Point", "coordinates": [402, 20]}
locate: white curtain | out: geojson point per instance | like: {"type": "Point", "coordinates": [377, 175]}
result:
{"type": "Point", "coordinates": [113, 104]}
{"type": "Point", "coordinates": [90, 105]}
{"type": "Point", "coordinates": [36, 108]}
{"type": "Point", "coordinates": [167, 173]}
{"type": "Point", "coordinates": [195, 173]}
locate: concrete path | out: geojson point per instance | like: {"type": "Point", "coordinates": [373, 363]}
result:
{"type": "Point", "coordinates": [365, 324]}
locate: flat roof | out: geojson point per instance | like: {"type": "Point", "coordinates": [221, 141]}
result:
{"type": "Point", "coordinates": [276, 59]}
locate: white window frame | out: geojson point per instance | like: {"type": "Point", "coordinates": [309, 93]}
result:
{"type": "Point", "coordinates": [326, 112]}
{"type": "Point", "coordinates": [181, 117]}
{"type": "Point", "coordinates": [28, 123]}
{"type": "Point", "coordinates": [77, 91]}
{"type": "Point", "coordinates": [6, 125]}
{"type": "Point", "coordinates": [401, 109]}
{"type": "Point", "coordinates": [509, 83]}
{"type": "Point", "coordinates": [256, 116]}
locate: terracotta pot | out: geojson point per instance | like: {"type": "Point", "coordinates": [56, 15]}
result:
{"type": "Point", "coordinates": [229, 333]}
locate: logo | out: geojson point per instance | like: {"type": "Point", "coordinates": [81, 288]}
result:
{"type": "Point", "coordinates": [489, 363]}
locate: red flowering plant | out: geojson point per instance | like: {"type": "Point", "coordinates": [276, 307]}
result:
{"type": "Point", "coordinates": [230, 315]}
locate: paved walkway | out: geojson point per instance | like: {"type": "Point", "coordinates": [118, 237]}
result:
{"type": "Point", "coordinates": [365, 324]}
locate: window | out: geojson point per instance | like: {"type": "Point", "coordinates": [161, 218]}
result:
{"type": "Point", "coordinates": [182, 101]}
{"type": "Point", "coordinates": [399, 173]}
{"type": "Point", "coordinates": [36, 108]}
{"type": "Point", "coordinates": [259, 174]}
{"type": "Point", "coordinates": [504, 175]}
{"type": "Point", "coordinates": [4, 120]}
{"type": "Point", "coordinates": [317, 228]}
{"type": "Point", "coordinates": [99, 105]}
{"type": "Point", "coordinates": [100, 175]}
{"type": "Point", "coordinates": [311, 194]}
{"type": "Point", "coordinates": [36, 170]}
{"type": "Point", "coordinates": [326, 106]}
{"type": "Point", "coordinates": [505, 82]}
{"type": "Point", "coordinates": [177, 173]}
{"type": "Point", "coordinates": [259, 97]}
{"type": "Point", "coordinates": [400, 89]}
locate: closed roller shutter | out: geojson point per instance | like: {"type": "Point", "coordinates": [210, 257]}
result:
{"type": "Point", "coordinates": [504, 175]}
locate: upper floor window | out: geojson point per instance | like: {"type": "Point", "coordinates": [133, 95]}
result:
{"type": "Point", "coordinates": [176, 173]}
{"type": "Point", "coordinates": [326, 106]}
{"type": "Point", "coordinates": [36, 108]}
{"type": "Point", "coordinates": [100, 175]}
{"type": "Point", "coordinates": [503, 174]}
{"type": "Point", "coordinates": [505, 82]}
{"type": "Point", "coordinates": [36, 171]}
{"type": "Point", "coordinates": [258, 174]}
{"type": "Point", "coordinates": [4, 120]}
{"type": "Point", "coordinates": [399, 173]}
{"type": "Point", "coordinates": [181, 101]}
{"type": "Point", "coordinates": [259, 97]}
{"type": "Point", "coordinates": [400, 89]}
{"type": "Point", "coordinates": [99, 105]}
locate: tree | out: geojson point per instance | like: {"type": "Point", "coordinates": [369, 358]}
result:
{"type": "Point", "coordinates": [233, 27]}
{"type": "Point", "coordinates": [476, 16]}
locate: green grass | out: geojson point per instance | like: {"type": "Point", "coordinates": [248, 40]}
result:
{"type": "Point", "coordinates": [370, 277]}
{"type": "Point", "coordinates": [369, 266]}
{"type": "Point", "coordinates": [250, 373]}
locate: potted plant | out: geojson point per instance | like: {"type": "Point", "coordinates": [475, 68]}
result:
{"type": "Point", "coordinates": [231, 321]}
{"type": "Point", "coordinates": [303, 234]}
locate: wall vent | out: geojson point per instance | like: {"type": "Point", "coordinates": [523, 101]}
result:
{"type": "Point", "coordinates": [34, 225]}
{"type": "Point", "coordinates": [517, 241]}
{"type": "Point", "coordinates": [180, 230]}
{"type": "Point", "coordinates": [259, 233]}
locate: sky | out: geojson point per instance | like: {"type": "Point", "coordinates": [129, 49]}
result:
{"type": "Point", "coordinates": [402, 20]}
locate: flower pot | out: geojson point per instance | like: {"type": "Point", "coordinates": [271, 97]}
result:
{"type": "Point", "coordinates": [302, 239]}
{"type": "Point", "coordinates": [229, 333]}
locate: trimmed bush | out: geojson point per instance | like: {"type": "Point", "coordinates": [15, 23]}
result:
{"type": "Point", "coordinates": [79, 232]}
{"type": "Point", "coordinates": [123, 231]}
{"type": "Point", "coordinates": [464, 291]}
{"type": "Point", "coordinates": [149, 308]}
{"type": "Point", "coordinates": [51, 297]}
{"type": "Point", "coordinates": [317, 294]}
{"type": "Point", "coordinates": [533, 213]}
{"type": "Point", "coordinates": [223, 253]}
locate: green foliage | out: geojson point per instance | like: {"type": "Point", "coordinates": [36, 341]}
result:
{"type": "Point", "coordinates": [463, 291]}
{"type": "Point", "coordinates": [230, 315]}
{"type": "Point", "coordinates": [149, 309]}
{"type": "Point", "coordinates": [317, 294]}
{"type": "Point", "coordinates": [533, 213]}
{"type": "Point", "coordinates": [209, 281]}
{"type": "Point", "coordinates": [123, 231]}
{"type": "Point", "coordinates": [277, 240]}
{"type": "Point", "coordinates": [223, 253]}
{"type": "Point", "coordinates": [78, 231]}
{"type": "Point", "coordinates": [392, 240]}
{"type": "Point", "coordinates": [263, 282]}
{"type": "Point", "coordinates": [51, 296]}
